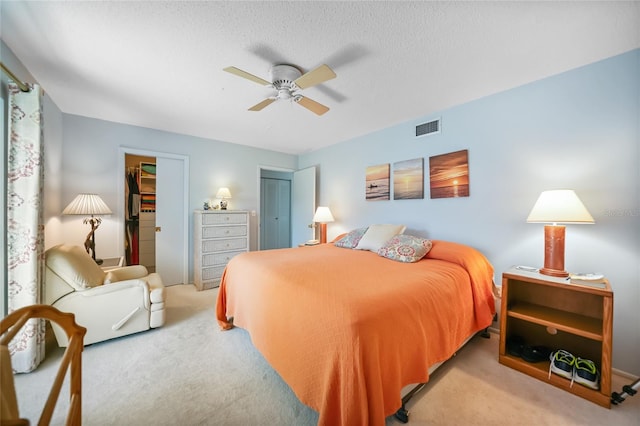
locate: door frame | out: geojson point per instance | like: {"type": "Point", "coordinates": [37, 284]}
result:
{"type": "Point", "coordinates": [259, 192]}
{"type": "Point", "coordinates": [122, 151]}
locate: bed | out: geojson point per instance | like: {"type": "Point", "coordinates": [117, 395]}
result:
{"type": "Point", "coordinates": [348, 329]}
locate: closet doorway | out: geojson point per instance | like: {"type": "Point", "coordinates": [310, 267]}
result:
{"type": "Point", "coordinates": [275, 210]}
{"type": "Point", "coordinates": [140, 211]}
{"type": "Point", "coordinates": [289, 196]}
{"type": "Point", "coordinates": [159, 236]}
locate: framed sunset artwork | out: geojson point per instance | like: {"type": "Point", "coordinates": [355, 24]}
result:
{"type": "Point", "coordinates": [377, 183]}
{"type": "Point", "coordinates": [408, 179]}
{"type": "Point", "coordinates": [449, 175]}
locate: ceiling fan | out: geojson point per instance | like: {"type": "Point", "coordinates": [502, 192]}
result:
{"type": "Point", "coordinates": [288, 80]}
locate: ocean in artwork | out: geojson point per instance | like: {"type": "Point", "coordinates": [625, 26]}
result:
{"type": "Point", "coordinates": [452, 191]}
{"type": "Point", "coordinates": [408, 179]}
{"type": "Point", "coordinates": [408, 189]}
{"type": "Point", "coordinates": [377, 189]}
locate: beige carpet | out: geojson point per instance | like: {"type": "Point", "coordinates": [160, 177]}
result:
{"type": "Point", "coordinates": [190, 373]}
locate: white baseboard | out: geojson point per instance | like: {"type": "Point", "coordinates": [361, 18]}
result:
{"type": "Point", "coordinates": [624, 374]}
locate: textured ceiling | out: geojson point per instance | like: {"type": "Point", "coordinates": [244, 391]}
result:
{"type": "Point", "coordinates": [159, 64]}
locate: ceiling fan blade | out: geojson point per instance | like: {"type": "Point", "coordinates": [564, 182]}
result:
{"type": "Point", "coordinates": [259, 106]}
{"type": "Point", "coordinates": [244, 74]}
{"type": "Point", "coordinates": [315, 77]}
{"type": "Point", "coordinates": [312, 105]}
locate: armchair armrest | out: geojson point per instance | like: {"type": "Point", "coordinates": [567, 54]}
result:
{"type": "Point", "coordinates": [115, 287]}
{"type": "Point", "coordinates": [125, 273]}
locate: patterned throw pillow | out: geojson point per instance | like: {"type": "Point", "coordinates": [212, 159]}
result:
{"type": "Point", "coordinates": [377, 235]}
{"type": "Point", "coordinates": [351, 239]}
{"type": "Point", "coordinates": [405, 248]}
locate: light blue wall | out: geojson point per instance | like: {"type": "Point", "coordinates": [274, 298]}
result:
{"type": "Point", "coordinates": [91, 156]}
{"type": "Point", "coordinates": [577, 130]}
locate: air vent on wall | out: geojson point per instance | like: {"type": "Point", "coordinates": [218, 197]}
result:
{"type": "Point", "coordinates": [428, 128]}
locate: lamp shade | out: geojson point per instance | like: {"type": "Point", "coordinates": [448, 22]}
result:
{"type": "Point", "coordinates": [559, 206]}
{"type": "Point", "coordinates": [223, 193]}
{"type": "Point", "coordinates": [323, 215]}
{"type": "Point", "coordinates": [87, 204]}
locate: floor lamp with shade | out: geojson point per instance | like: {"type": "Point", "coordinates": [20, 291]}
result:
{"type": "Point", "coordinates": [89, 205]}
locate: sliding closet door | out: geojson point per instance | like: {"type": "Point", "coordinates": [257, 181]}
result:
{"type": "Point", "coordinates": [170, 218]}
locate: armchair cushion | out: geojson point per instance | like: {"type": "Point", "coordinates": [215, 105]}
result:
{"type": "Point", "coordinates": [123, 301]}
{"type": "Point", "coordinates": [69, 262]}
{"type": "Point", "coordinates": [125, 273]}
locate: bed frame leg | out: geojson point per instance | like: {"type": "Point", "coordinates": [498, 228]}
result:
{"type": "Point", "coordinates": [402, 414]}
{"type": "Point", "coordinates": [485, 333]}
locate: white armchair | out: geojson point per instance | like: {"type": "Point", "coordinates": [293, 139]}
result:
{"type": "Point", "coordinates": [108, 304]}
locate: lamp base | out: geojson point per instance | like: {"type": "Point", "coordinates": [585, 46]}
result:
{"type": "Point", "coordinates": [554, 272]}
{"type": "Point", "coordinates": [323, 233]}
{"type": "Point", "coordinates": [554, 251]}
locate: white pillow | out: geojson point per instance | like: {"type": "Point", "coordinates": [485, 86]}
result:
{"type": "Point", "coordinates": [377, 235]}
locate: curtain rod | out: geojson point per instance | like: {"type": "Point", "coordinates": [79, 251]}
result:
{"type": "Point", "coordinates": [13, 77]}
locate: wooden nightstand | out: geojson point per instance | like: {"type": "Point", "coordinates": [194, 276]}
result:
{"type": "Point", "coordinates": [555, 313]}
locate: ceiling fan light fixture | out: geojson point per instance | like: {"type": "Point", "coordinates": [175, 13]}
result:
{"type": "Point", "coordinates": [285, 73]}
{"type": "Point", "coordinates": [285, 94]}
{"type": "Point", "coordinates": [287, 80]}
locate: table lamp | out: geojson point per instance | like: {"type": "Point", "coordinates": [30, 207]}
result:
{"type": "Point", "coordinates": [322, 216]}
{"type": "Point", "coordinates": [89, 204]}
{"type": "Point", "coordinates": [223, 194]}
{"type": "Point", "coordinates": [554, 207]}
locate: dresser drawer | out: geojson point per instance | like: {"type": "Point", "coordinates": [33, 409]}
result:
{"type": "Point", "coordinates": [215, 273]}
{"type": "Point", "coordinates": [224, 218]}
{"type": "Point", "coordinates": [224, 245]}
{"type": "Point", "coordinates": [216, 259]}
{"type": "Point", "coordinates": [224, 231]}
{"type": "Point", "coordinates": [207, 285]}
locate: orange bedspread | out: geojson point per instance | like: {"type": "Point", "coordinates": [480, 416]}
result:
{"type": "Point", "coordinates": [348, 329]}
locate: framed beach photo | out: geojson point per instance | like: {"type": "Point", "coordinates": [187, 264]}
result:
{"type": "Point", "coordinates": [449, 175]}
{"type": "Point", "coordinates": [408, 179]}
{"type": "Point", "coordinates": [377, 183]}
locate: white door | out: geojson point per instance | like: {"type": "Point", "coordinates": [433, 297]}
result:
{"type": "Point", "coordinates": [303, 205]}
{"type": "Point", "coordinates": [170, 218]}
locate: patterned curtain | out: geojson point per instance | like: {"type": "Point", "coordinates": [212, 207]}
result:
{"type": "Point", "coordinates": [25, 225]}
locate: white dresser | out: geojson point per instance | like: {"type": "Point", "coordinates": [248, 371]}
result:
{"type": "Point", "coordinates": [218, 236]}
